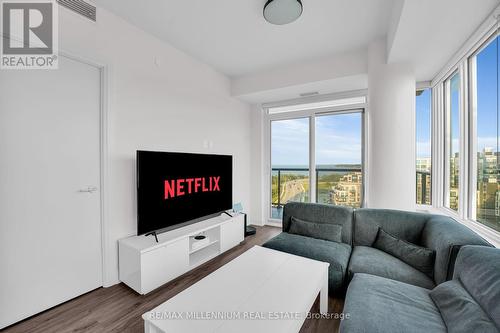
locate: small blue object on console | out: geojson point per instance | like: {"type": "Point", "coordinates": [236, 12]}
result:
{"type": "Point", "coordinates": [237, 207]}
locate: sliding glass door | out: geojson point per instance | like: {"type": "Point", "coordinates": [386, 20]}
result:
{"type": "Point", "coordinates": [330, 142]}
{"type": "Point", "coordinates": [338, 155]}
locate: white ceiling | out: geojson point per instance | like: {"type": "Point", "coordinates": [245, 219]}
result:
{"type": "Point", "coordinates": [233, 37]}
{"type": "Point", "coordinates": [325, 50]}
{"type": "Point", "coordinates": [430, 32]}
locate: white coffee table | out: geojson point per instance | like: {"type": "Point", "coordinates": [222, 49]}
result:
{"type": "Point", "coordinates": [262, 290]}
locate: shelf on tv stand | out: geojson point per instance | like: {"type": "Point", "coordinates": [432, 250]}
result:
{"type": "Point", "coordinates": [199, 257]}
{"type": "Point", "coordinates": [204, 246]}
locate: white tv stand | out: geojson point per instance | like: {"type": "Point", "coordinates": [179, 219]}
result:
{"type": "Point", "coordinates": [145, 265]}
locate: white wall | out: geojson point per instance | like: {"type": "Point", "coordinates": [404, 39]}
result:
{"type": "Point", "coordinates": [258, 175]}
{"type": "Point", "coordinates": [176, 106]}
{"type": "Point", "coordinates": [391, 132]}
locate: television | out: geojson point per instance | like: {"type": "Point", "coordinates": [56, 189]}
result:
{"type": "Point", "coordinates": [176, 189]}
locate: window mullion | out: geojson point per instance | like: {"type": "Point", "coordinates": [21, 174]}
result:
{"type": "Point", "coordinates": [472, 200]}
{"type": "Point", "coordinates": [438, 154]}
{"type": "Point", "coordinates": [464, 143]}
{"type": "Point", "coordinates": [312, 158]}
{"type": "Point", "coordinates": [446, 142]}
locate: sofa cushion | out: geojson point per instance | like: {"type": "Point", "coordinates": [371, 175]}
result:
{"type": "Point", "coordinates": [478, 269]}
{"type": "Point", "coordinates": [320, 213]}
{"type": "Point", "coordinates": [369, 260]}
{"type": "Point", "coordinates": [326, 231]}
{"type": "Point", "coordinates": [403, 225]}
{"type": "Point", "coordinates": [416, 256]}
{"type": "Point", "coordinates": [379, 305]}
{"type": "Point", "coordinates": [459, 310]}
{"type": "Point", "coordinates": [337, 254]}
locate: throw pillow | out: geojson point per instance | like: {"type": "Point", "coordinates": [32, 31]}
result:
{"type": "Point", "coordinates": [416, 256]}
{"type": "Point", "coordinates": [326, 231]}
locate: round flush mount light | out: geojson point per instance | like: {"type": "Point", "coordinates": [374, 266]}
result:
{"type": "Point", "coordinates": [282, 11]}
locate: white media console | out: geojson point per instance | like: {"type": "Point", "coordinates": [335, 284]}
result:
{"type": "Point", "coordinates": [145, 265]}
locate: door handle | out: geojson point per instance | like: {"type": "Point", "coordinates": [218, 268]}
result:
{"type": "Point", "coordinates": [89, 189]}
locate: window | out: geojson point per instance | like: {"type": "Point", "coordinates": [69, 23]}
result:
{"type": "Point", "coordinates": [423, 147]}
{"type": "Point", "coordinates": [485, 134]}
{"type": "Point", "coordinates": [466, 135]}
{"type": "Point", "coordinates": [289, 163]}
{"type": "Point", "coordinates": [339, 177]}
{"type": "Point", "coordinates": [316, 155]}
{"type": "Point", "coordinates": [452, 142]}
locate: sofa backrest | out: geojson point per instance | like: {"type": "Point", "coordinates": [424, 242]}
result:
{"type": "Point", "coordinates": [438, 232]}
{"type": "Point", "coordinates": [446, 236]}
{"type": "Point", "coordinates": [478, 269]}
{"type": "Point", "coordinates": [360, 227]}
{"type": "Point", "coordinates": [320, 213]}
{"type": "Point", "coordinates": [404, 225]}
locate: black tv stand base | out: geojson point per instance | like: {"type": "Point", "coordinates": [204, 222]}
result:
{"type": "Point", "coordinates": [154, 234]}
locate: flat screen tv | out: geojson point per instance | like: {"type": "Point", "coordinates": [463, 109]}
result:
{"type": "Point", "coordinates": [175, 189]}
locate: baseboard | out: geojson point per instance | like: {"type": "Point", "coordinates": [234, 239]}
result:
{"type": "Point", "coordinates": [273, 224]}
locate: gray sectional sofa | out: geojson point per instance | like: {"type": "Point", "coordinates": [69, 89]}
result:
{"type": "Point", "coordinates": [371, 251]}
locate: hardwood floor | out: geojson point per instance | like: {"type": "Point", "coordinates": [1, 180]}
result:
{"type": "Point", "coordinates": [119, 308]}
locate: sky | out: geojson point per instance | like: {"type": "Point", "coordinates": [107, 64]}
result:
{"type": "Point", "coordinates": [290, 142]}
{"type": "Point", "coordinates": [423, 124]}
{"type": "Point", "coordinates": [338, 140]}
{"type": "Point", "coordinates": [487, 91]}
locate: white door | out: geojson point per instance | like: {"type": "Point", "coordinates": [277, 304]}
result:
{"type": "Point", "coordinates": [50, 228]}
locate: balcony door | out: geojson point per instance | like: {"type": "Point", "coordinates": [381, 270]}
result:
{"type": "Point", "coordinates": [317, 158]}
{"type": "Point", "coordinates": [338, 155]}
{"type": "Point", "coordinates": [290, 179]}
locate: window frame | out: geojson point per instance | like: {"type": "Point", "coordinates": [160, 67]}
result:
{"type": "Point", "coordinates": [441, 101]}
{"type": "Point", "coordinates": [448, 141]}
{"type": "Point", "coordinates": [472, 118]}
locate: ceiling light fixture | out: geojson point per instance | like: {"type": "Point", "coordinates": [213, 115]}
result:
{"type": "Point", "coordinates": [282, 11]}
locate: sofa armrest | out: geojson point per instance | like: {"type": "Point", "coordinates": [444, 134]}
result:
{"type": "Point", "coordinates": [446, 236]}
{"type": "Point", "coordinates": [478, 270]}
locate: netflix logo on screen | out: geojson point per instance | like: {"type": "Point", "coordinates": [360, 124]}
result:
{"type": "Point", "coordinates": [174, 189]}
{"type": "Point", "coordinates": [179, 187]}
